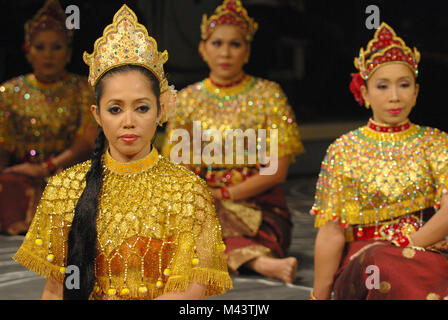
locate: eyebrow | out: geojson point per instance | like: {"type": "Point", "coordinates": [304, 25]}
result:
{"type": "Point", "coordinates": [402, 78]}
{"type": "Point", "coordinates": [230, 40]}
{"type": "Point", "coordinates": [136, 100]}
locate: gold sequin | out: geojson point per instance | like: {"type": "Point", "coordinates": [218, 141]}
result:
{"type": "Point", "coordinates": [432, 296]}
{"type": "Point", "coordinates": [385, 287]}
{"type": "Point", "coordinates": [408, 253]}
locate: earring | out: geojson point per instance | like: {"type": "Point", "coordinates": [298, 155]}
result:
{"type": "Point", "coordinates": [367, 104]}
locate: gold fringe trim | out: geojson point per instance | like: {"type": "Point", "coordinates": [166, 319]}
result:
{"type": "Point", "coordinates": [217, 282]}
{"type": "Point", "coordinates": [369, 216]}
{"type": "Point", "coordinates": [38, 265]}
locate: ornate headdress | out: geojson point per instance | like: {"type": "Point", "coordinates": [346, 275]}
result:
{"type": "Point", "coordinates": [230, 12]}
{"type": "Point", "coordinates": [385, 47]}
{"type": "Point", "coordinates": [126, 42]}
{"type": "Point", "coordinates": [50, 17]}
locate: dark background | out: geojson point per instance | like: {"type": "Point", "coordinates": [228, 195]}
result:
{"type": "Point", "coordinates": [308, 46]}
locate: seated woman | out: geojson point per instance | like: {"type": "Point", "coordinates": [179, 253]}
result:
{"type": "Point", "coordinates": [45, 120]}
{"type": "Point", "coordinates": [251, 206]}
{"type": "Point", "coordinates": [134, 224]}
{"type": "Point", "coordinates": [378, 232]}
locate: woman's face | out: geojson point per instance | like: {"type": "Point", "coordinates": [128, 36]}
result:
{"type": "Point", "coordinates": [225, 52]}
{"type": "Point", "coordinates": [392, 93]}
{"type": "Point", "coordinates": [127, 114]}
{"type": "Point", "coordinates": [49, 54]}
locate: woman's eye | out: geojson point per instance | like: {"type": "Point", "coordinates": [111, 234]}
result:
{"type": "Point", "coordinates": [216, 43]}
{"type": "Point", "coordinates": [39, 47]}
{"type": "Point", "coordinates": [382, 86]}
{"type": "Point", "coordinates": [57, 47]}
{"type": "Point", "coordinates": [114, 110]}
{"type": "Point", "coordinates": [236, 44]}
{"type": "Point", "coordinates": [405, 85]}
{"type": "Point", "coordinates": [143, 108]}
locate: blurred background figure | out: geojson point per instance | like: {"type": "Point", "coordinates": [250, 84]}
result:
{"type": "Point", "coordinates": [45, 120]}
{"type": "Point", "coordinates": [251, 207]}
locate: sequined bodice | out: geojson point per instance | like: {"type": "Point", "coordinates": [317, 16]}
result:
{"type": "Point", "coordinates": [38, 120]}
{"type": "Point", "coordinates": [370, 176]}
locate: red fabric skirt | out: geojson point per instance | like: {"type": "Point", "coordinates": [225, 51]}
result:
{"type": "Point", "coordinates": [387, 272]}
{"type": "Point", "coordinates": [19, 196]}
{"type": "Point", "coordinates": [272, 237]}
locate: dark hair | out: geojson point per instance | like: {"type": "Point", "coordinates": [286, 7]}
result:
{"type": "Point", "coordinates": [82, 238]}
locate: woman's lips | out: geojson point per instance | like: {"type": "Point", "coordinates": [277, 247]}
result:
{"type": "Point", "coordinates": [395, 112]}
{"type": "Point", "coordinates": [225, 65]}
{"type": "Point", "coordinates": [129, 138]}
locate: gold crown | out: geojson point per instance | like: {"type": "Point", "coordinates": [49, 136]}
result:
{"type": "Point", "coordinates": [385, 47]}
{"type": "Point", "coordinates": [230, 12]}
{"type": "Point", "coordinates": [50, 17]}
{"type": "Point", "coordinates": [126, 42]}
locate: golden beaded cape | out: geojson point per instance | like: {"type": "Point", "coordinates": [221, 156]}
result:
{"type": "Point", "coordinates": [367, 176]}
{"type": "Point", "coordinates": [38, 120]}
{"type": "Point", "coordinates": [157, 230]}
{"type": "Point", "coordinates": [255, 104]}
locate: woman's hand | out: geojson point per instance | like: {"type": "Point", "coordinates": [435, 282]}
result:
{"type": "Point", "coordinates": [216, 193]}
{"type": "Point", "coordinates": [30, 169]}
{"type": "Point", "coordinates": [363, 249]}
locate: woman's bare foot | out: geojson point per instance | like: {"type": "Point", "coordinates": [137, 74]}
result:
{"type": "Point", "coordinates": [283, 269]}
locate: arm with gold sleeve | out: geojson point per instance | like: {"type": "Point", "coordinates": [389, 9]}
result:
{"type": "Point", "coordinates": [179, 126]}
{"type": "Point", "coordinates": [200, 267]}
{"type": "Point", "coordinates": [6, 129]}
{"type": "Point", "coordinates": [330, 239]}
{"type": "Point", "coordinates": [44, 249]}
{"type": "Point", "coordinates": [86, 133]}
{"type": "Point", "coordinates": [436, 229]}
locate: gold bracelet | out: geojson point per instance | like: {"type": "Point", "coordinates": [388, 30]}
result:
{"type": "Point", "coordinates": [312, 297]}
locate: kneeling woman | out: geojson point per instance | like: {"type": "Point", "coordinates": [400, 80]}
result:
{"type": "Point", "coordinates": [135, 225]}
{"type": "Point", "coordinates": [378, 186]}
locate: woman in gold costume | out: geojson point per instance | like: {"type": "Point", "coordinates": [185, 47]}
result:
{"type": "Point", "coordinates": [134, 224]}
{"type": "Point", "coordinates": [251, 206]}
{"type": "Point", "coordinates": [45, 121]}
{"type": "Point", "coordinates": [379, 236]}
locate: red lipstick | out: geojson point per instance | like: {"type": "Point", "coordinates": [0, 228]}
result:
{"type": "Point", "coordinates": [129, 138]}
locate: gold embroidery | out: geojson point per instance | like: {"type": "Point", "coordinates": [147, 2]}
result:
{"type": "Point", "coordinates": [131, 167]}
{"type": "Point", "coordinates": [245, 219]}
